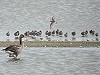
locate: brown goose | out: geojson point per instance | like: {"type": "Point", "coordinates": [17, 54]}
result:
{"type": "Point", "coordinates": [15, 50]}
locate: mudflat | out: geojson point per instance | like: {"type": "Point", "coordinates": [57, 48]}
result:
{"type": "Point", "coordinates": [53, 43]}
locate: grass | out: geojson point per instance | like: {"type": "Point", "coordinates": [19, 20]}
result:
{"type": "Point", "coordinates": [53, 43]}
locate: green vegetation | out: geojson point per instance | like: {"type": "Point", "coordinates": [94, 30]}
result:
{"type": "Point", "coordinates": [54, 43]}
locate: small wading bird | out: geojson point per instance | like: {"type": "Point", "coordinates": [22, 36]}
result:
{"type": "Point", "coordinates": [52, 21]}
{"type": "Point", "coordinates": [8, 34]}
{"type": "Point", "coordinates": [15, 50]}
{"type": "Point", "coordinates": [16, 34]}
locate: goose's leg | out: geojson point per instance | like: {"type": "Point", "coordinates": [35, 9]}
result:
{"type": "Point", "coordinates": [14, 56]}
{"type": "Point", "coordinates": [10, 55]}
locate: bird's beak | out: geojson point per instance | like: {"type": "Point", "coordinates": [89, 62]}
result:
{"type": "Point", "coordinates": [2, 50]}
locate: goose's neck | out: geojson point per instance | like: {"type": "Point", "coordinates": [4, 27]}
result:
{"type": "Point", "coordinates": [20, 40]}
{"type": "Point", "coordinates": [21, 43]}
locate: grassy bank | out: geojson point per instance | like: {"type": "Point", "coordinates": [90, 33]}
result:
{"type": "Point", "coordinates": [54, 43]}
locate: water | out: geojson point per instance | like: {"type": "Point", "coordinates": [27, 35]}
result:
{"type": "Point", "coordinates": [52, 61]}
{"type": "Point", "coordinates": [27, 15]}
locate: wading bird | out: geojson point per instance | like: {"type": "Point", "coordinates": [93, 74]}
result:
{"type": "Point", "coordinates": [16, 34]}
{"type": "Point", "coordinates": [8, 34]}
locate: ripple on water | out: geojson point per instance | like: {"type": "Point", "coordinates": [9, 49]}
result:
{"type": "Point", "coordinates": [53, 61]}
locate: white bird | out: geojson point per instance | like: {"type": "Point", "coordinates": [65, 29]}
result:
{"type": "Point", "coordinates": [15, 50]}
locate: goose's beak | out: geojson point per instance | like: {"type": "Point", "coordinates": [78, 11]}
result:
{"type": "Point", "coordinates": [2, 50]}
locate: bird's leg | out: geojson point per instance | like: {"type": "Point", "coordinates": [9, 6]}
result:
{"type": "Point", "coordinates": [15, 57]}
{"type": "Point", "coordinates": [10, 55]}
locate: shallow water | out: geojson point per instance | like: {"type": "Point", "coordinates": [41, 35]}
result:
{"type": "Point", "coordinates": [28, 15]}
{"type": "Point", "coordinates": [52, 61]}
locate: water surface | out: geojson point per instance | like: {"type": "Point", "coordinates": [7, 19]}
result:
{"type": "Point", "coordinates": [52, 61]}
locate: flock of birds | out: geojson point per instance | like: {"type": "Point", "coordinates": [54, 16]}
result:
{"type": "Point", "coordinates": [33, 34]}
{"type": "Point", "coordinates": [15, 50]}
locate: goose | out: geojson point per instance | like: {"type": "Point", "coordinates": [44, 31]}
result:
{"type": "Point", "coordinates": [15, 50]}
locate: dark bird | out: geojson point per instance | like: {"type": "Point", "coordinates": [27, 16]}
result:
{"type": "Point", "coordinates": [53, 32]}
{"type": "Point", "coordinates": [16, 34]}
{"type": "Point", "coordinates": [57, 32]}
{"type": "Point", "coordinates": [52, 22]}
{"type": "Point", "coordinates": [15, 50]}
{"type": "Point", "coordinates": [66, 34]}
{"type": "Point", "coordinates": [8, 34]}
{"type": "Point", "coordinates": [73, 33]}
{"type": "Point", "coordinates": [60, 33]}
{"type": "Point", "coordinates": [96, 34]}
{"type": "Point", "coordinates": [92, 32]}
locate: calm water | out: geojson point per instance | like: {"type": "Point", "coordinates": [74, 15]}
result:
{"type": "Point", "coordinates": [52, 61]}
{"type": "Point", "coordinates": [27, 15]}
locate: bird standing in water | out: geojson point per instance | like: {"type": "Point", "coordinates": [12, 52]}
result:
{"type": "Point", "coordinates": [15, 50]}
{"type": "Point", "coordinates": [8, 34]}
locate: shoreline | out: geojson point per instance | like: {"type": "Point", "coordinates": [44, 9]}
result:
{"type": "Point", "coordinates": [53, 43]}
